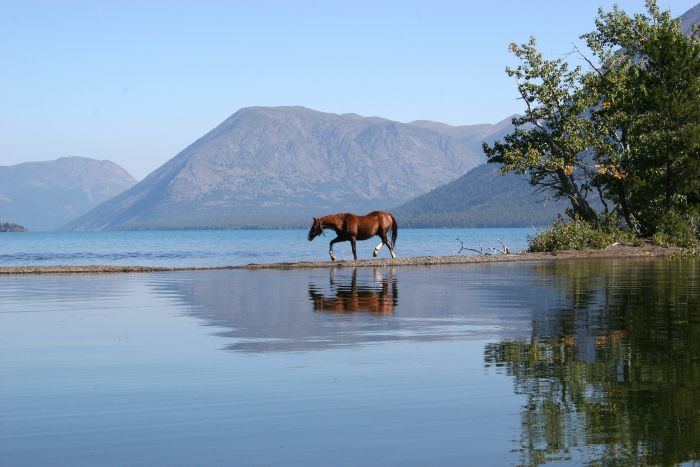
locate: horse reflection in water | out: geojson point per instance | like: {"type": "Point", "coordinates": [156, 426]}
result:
{"type": "Point", "coordinates": [349, 298]}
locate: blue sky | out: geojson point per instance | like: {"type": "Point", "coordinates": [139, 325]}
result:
{"type": "Point", "coordinates": [135, 82]}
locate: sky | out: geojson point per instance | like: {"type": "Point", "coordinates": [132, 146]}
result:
{"type": "Point", "coordinates": [136, 82]}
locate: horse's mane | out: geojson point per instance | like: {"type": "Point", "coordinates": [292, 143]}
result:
{"type": "Point", "coordinates": [334, 219]}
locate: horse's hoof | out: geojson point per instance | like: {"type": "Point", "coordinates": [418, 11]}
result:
{"type": "Point", "coordinates": [375, 254]}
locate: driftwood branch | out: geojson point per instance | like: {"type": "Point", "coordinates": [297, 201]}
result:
{"type": "Point", "coordinates": [504, 250]}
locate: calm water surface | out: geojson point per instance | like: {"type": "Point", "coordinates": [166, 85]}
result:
{"type": "Point", "coordinates": [230, 247]}
{"type": "Point", "coordinates": [503, 364]}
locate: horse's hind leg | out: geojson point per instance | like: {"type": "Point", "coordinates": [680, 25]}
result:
{"type": "Point", "coordinates": [386, 241]}
{"type": "Point", "coordinates": [354, 247]}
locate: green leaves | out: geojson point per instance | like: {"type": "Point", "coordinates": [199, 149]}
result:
{"type": "Point", "coordinates": [653, 116]}
{"type": "Point", "coordinates": [551, 134]}
{"type": "Point", "coordinates": [627, 128]}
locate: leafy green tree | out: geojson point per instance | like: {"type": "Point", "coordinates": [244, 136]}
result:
{"type": "Point", "coordinates": [551, 137]}
{"type": "Point", "coordinates": [626, 128]}
{"type": "Point", "coordinates": [647, 122]}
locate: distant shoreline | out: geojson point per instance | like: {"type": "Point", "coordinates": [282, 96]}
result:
{"type": "Point", "coordinates": [612, 252]}
{"type": "Point", "coordinates": [8, 227]}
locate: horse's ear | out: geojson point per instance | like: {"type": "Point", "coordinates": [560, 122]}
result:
{"type": "Point", "coordinates": [315, 220]}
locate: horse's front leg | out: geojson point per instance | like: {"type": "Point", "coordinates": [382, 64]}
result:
{"type": "Point", "coordinates": [330, 248]}
{"type": "Point", "coordinates": [375, 253]}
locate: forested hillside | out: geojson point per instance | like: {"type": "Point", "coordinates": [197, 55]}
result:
{"type": "Point", "coordinates": [481, 198]}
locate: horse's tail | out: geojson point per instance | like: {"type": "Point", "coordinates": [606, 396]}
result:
{"type": "Point", "coordinates": [394, 230]}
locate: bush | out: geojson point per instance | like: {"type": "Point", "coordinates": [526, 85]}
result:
{"type": "Point", "coordinates": [577, 235]}
{"type": "Point", "coordinates": [673, 230]}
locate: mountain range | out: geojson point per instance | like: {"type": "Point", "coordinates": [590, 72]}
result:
{"type": "Point", "coordinates": [277, 166]}
{"type": "Point", "coordinates": [46, 195]}
{"type": "Point", "coordinates": [482, 197]}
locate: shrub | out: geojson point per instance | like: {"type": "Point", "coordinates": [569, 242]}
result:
{"type": "Point", "coordinates": [673, 230]}
{"type": "Point", "coordinates": [578, 234]}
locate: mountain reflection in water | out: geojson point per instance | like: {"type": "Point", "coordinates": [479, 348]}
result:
{"type": "Point", "coordinates": [611, 376]}
{"type": "Point", "coordinates": [302, 310]}
{"type": "Point", "coordinates": [605, 355]}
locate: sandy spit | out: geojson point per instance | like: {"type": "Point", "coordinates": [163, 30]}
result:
{"type": "Point", "coordinates": [616, 251]}
{"type": "Point", "coordinates": [92, 269]}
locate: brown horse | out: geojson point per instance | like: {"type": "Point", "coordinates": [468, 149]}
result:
{"type": "Point", "coordinates": [349, 227]}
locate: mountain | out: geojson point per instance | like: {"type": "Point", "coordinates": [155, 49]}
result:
{"type": "Point", "coordinates": [46, 195]}
{"type": "Point", "coordinates": [473, 135]}
{"type": "Point", "coordinates": [690, 18]}
{"type": "Point", "coordinates": [481, 198]}
{"type": "Point", "coordinates": [277, 166]}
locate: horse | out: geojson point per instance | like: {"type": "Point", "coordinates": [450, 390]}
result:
{"type": "Point", "coordinates": [350, 227]}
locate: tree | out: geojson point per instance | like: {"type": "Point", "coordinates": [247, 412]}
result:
{"type": "Point", "coordinates": [648, 142]}
{"type": "Point", "coordinates": [9, 227]}
{"type": "Point", "coordinates": [551, 137]}
{"type": "Point", "coordinates": [628, 127]}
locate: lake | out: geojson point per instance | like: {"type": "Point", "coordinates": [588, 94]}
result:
{"type": "Point", "coordinates": [485, 364]}
{"type": "Point", "coordinates": [231, 247]}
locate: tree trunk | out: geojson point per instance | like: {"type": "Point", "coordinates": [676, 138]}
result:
{"type": "Point", "coordinates": [579, 204]}
{"type": "Point", "coordinates": [624, 205]}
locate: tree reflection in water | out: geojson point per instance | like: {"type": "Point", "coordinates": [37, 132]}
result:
{"type": "Point", "coordinates": [614, 376]}
{"type": "Point", "coordinates": [352, 297]}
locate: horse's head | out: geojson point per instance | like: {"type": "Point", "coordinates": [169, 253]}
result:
{"type": "Point", "coordinates": [315, 230]}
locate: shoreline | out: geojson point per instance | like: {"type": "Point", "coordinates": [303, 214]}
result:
{"type": "Point", "coordinates": [611, 252]}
